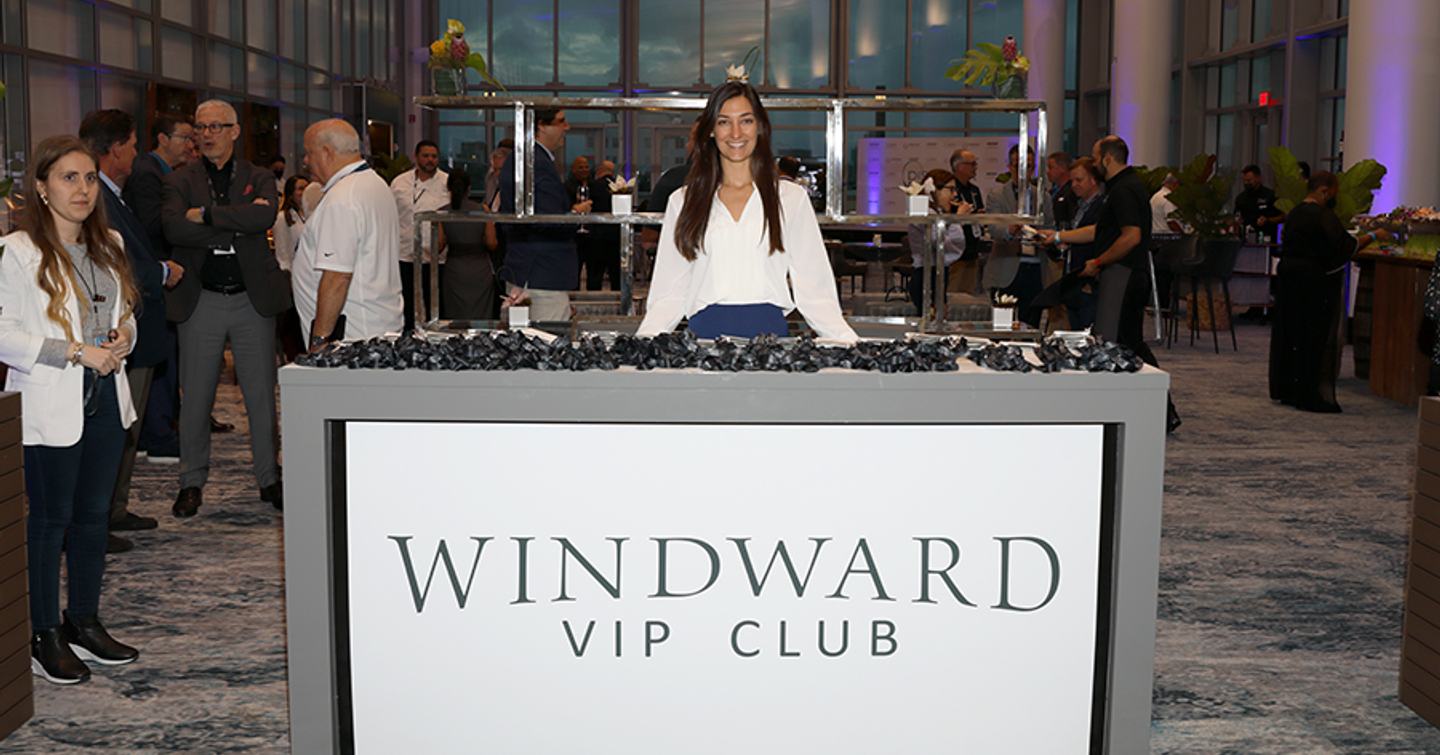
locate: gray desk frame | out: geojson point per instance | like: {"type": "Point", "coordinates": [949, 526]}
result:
{"type": "Point", "coordinates": [1134, 404]}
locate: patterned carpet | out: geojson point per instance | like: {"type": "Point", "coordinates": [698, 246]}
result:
{"type": "Point", "coordinates": [1280, 601]}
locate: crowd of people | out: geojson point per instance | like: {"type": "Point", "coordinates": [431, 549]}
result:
{"type": "Point", "coordinates": [117, 313]}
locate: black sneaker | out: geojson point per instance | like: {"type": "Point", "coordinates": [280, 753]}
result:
{"type": "Point", "coordinates": [132, 522]}
{"type": "Point", "coordinates": [52, 659]}
{"type": "Point", "coordinates": [117, 544]}
{"type": "Point", "coordinates": [274, 494]}
{"type": "Point", "coordinates": [91, 642]}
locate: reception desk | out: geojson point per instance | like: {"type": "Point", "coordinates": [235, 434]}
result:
{"type": "Point", "coordinates": [680, 561]}
{"type": "Point", "coordinates": [1387, 325]}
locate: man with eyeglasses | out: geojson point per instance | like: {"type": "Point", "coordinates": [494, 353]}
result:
{"type": "Point", "coordinates": [965, 275]}
{"type": "Point", "coordinates": [420, 189]}
{"type": "Point", "coordinates": [216, 213]}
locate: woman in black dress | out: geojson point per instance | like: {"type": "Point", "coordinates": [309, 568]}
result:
{"type": "Point", "coordinates": [1305, 336]}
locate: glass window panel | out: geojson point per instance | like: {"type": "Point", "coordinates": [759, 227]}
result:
{"type": "Point", "coordinates": [799, 44]}
{"type": "Point", "coordinates": [125, 94]}
{"type": "Point", "coordinates": [14, 149]}
{"type": "Point", "coordinates": [669, 42]}
{"type": "Point", "coordinates": [589, 42]}
{"type": "Point", "coordinates": [380, 41]}
{"type": "Point", "coordinates": [292, 29]}
{"type": "Point", "coordinates": [1007, 122]}
{"type": "Point", "coordinates": [317, 33]}
{"type": "Point", "coordinates": [1259, 77]}
{"type": "Point", "coordinates": [524, 42]}
{"type": "Point", "coordinates": [933, 121]}
{"type": "Point", "coordinates": [227, 66]}
{"type": "Point", "coordinates": [1228, 95]}
{"type": "Point", "coordinates": [877, 45]}
{"type": "Point", "coordinates": [178, 11]}
{"type": "Point", "coordinates": [260, 24]}
{"type": "Point", "coordinates": [140, 5]}
{"type": "Point", "coordinates": [70, 94]}
{"type": "Point", "coordinates": [321, 91]}
{"type": "Point", "coordinates": [732, 28]}
{"type": "Point", "coordinates": [1339, 128]}
{"type": "Point", "coordinates": [118, 38]}
{"type": "Point", "coordinates": [362, 38]}
{"type": "Point", "coordinates": [1342, 57]}
{"type": "Point", "coordinates": [1212, 86]}
{"type": "Point", "coordinates": [345, 61]}
{"type": "Point", "coordinates": [466, 148]}
{"type": "Point", "coordinates": [994, 20]}
{"type": "Point", "coordinates": [1229, 23]}
{"type": "Point", "coordinates": [225, 19]}
{"type": "Point", "coordinates": [10, 26]}
{"type": "Point", "coordinates": [292, 83]}
{"type": "Point", "coordinates": [1262, 24]}
{"type": "Point", "coordinates": [1071, 140]}
{"type": "Point", "coordinates": [177, 54]}
{"type": "Point", "coordinates": [262, 80]}
{"type": "Point", "coordinates": [1225, 140]}
{"type": "Point", "coordinates": [934, 27]}
{"type": "Point", "coordinates": [63, 27]}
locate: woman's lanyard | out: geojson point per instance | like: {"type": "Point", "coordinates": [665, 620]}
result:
{"type": "Point", "coordinates": [92, 287]}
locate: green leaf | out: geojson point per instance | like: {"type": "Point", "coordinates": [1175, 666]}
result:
{"type": "Point", "coordinates": [1358, 185]}
{"type": "Point", "coordinates": [477, 61]}
{"type": "Point", "coordinates": [1290, 188]}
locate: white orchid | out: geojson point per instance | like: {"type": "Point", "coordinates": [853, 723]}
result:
{"type": "Point", "coordinates": [622, 185]}
{"type": "Point", "coordinates": [916, 189]}
{"type": "Point", "coordinates": [1006, 300]}
{"type": "Point", "coordinates": [736, 73]}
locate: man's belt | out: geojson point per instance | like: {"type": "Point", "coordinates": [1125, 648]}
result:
{"type": "Point", "coordinates": [229, 289]}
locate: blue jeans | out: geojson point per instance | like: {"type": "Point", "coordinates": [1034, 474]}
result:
{"type": "Point", "coordinates": [69, 490]}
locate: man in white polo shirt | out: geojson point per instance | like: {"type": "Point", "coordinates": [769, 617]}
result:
{"type": "Point", "coordinates": [424, 188]}
{"type": "Point", "coordinates": [347, 263]}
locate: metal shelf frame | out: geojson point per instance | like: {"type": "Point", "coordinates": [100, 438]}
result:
{"type": "Point", "coordinates": [833, 217]}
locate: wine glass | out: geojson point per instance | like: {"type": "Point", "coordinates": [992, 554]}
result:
{"type": "Point", "coordinates": [582, 194]}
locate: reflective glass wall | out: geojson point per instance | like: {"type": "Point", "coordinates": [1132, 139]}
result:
{"type": "Point", "coordinates": [820, 48]}
{"type": "Point", "coordinates": [281, 62]}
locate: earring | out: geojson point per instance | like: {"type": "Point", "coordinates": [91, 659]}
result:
{"type": "Point", "coordinates": [44, 200]}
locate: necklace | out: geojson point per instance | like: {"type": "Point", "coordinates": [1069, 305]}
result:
{"type": "Point", "coordinates": [92, 287]}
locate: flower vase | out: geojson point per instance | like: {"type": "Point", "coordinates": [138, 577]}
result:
{"type": "Point", "coordinates": [447, 82]}
{"type": "Point", "coordinates": [1012, 88]}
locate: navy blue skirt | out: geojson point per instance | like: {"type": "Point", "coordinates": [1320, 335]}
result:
{"type": "Point", "coordinates": [738, 321]}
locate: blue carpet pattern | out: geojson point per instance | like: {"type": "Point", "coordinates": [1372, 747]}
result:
{"type": "Point", "coordinates": [1280, 588]}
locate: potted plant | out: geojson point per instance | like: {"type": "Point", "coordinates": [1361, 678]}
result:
{"type": "Point", "coordinates": [1210, 245]}
{"type": "Point", "coordinates": [1358, 184]}
{"type": "Point", "coordinates": [1000, 67]}
{"type": "Point", "coordinates": [450, 55]}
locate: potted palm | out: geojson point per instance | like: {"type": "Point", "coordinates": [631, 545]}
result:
{"type": "Point", "coordinates": [1210, 245]}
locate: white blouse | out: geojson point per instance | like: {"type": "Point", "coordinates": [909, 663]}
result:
{"type": "Point", "coordinates": [735, 266]}
{"type": "Point", "coordinates": [287, 237]}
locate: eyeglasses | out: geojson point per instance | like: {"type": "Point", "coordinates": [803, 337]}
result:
{"type": "Point", "coordinates": [212, 128]}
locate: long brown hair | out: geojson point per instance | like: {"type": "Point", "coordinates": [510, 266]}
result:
{"type": "Point", "coordinates": [704, 177]}
{"type": "Point", "coordinates": [57, 273]}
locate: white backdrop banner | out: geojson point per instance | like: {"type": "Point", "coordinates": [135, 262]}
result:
{"type": "Point", "coordinates": [886, 163]}
{"type": "Point", "coordinates": [669, 588]}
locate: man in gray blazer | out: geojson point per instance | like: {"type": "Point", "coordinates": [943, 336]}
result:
{"type": "Point", "coordinates": [216, 212]}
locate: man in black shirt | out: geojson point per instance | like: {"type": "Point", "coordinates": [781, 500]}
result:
{"type": "Point", "coordinates": [1122, 234]}
{"type": "Point", "coordinates": [965, 165]}
{"type": "Point", "coordinates": [1256, 203]}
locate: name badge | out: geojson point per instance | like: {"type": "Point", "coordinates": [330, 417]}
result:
{"type": "Point", "coordinates": [230, 250]}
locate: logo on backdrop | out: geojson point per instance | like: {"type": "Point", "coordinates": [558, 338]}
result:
{"type": "Point", "coordinates": [935, 575]}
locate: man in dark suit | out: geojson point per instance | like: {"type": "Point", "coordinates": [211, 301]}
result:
{"type": "Point", "coordinates": [110, 134]}
{"type": "Point", "coordinates": [144, 193]}
{"type": "Point", "coordinates": [541, 263]}
{"type": "Point", "coordinates": [216, 212]}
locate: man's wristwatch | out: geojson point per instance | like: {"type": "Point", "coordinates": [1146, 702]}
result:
{"type": "Point", "coordinates": [318, 341]}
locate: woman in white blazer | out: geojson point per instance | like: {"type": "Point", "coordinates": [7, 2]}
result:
{"type": "Point", "coordinates": [67, 322]}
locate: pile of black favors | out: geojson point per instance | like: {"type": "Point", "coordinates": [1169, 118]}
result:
{"type": "Point", "coordinates": [514, 350]}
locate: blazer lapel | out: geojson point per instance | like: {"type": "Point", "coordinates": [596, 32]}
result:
{"type": "Point", "coordinates": [239, 182]}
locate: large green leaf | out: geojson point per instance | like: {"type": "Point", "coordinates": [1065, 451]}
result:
{"type": "Point", "coordinates": [1202, 197]}
{"type": "Point", "coordinates": [477, 61]}
{"type": "Point", "coordinates": [1358, 185]}
{"type": "Point", "coordinates": [1290, 187]}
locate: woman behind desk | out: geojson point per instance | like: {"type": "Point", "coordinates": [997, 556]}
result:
{"type": "Point", "coordinates": [67, 325]}
{"type": "Point", "coordinates": [943, 201]}
{"type": "Point", "coordinates": [735, 232]}
{"type": "Point", "coordinates": [1305, 337]}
